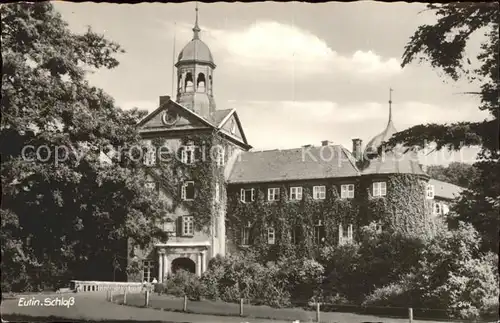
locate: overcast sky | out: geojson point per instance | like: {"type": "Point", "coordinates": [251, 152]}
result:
{"type": "Point", "coordinates": [297, 73]}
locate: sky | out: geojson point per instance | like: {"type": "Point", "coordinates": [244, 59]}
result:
{"type": "Point", "coordinates": [296, 73]}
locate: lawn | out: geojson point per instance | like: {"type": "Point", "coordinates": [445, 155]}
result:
{"type": "Point", "coordinates": [170, 303]}
{"type": "Point", "coordinates": [94, 307]}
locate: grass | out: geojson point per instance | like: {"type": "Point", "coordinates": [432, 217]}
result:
{"type": "Point", "coordinates": [27, 318]}
{"type": "Point", "coordinates": [219, 308]}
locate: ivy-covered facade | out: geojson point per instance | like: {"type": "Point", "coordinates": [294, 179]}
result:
{"type": "Point", "coordinates": [221, 197]}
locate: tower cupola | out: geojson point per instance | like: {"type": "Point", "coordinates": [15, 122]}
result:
{"type": "Point", "coordinates": [195, 66]}
{"type": "Point", "coordinates": [371, 149]}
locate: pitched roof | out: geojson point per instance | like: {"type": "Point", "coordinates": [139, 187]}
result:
{"type": "Point", "coordinates": [219, 115]}
{"type": "Point", "coordinates": [390, 163]}
{"type": "Point", "coordinates": [445, 190]}
{"type": "Point", "coordinates": [293, 164]}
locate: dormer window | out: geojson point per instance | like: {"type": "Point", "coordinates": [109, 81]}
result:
{"type": "Point", "coordinates": [247, 195]}
{"type": "Point", "coordinates": [429, 193]}
{"type": "Point", "coordinates": [379, 189]}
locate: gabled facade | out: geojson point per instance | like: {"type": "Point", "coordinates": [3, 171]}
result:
{"type": "Point", "coordinates": [191, 145]}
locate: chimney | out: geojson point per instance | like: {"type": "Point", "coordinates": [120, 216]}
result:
{"type": "Point", "coordinates": [326, 143]}
{"type": "Point", "coordinates": [164, 99]}
{"type": "Point", "coordinates": [356, 148]}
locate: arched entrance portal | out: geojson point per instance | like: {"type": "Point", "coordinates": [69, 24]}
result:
{"type": "Point", "coordinates": [184, 264]}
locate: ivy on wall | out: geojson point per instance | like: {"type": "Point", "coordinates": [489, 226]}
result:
{"type": "Point", "coordinates": [204, 171]}
{"type": "Point", "coordinates": [403, 209]}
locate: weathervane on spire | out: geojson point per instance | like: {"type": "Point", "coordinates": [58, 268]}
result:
{"type": "Point", "coordinates": [196, 28]}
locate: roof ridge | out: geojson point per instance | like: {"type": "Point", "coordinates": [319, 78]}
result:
{"type": "Point", "coordinates": [288, 149]}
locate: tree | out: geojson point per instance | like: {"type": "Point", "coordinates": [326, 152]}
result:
{"type": "Point", "coordinates": [443, 46]}
{"type": "Point", "coordinates": [451, 275]}
{"type": "Point", "coordinates": [457, 173]}
{"type": "Point", "coordinates": [65, 213]}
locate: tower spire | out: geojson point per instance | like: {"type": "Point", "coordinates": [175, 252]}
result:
{"type": "Point", "coordinates": [196, 28]}
{"type": "Point", "coordinates": [390, 105]}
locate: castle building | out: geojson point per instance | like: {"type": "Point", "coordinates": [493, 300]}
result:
{"type": "Point", "coordinates": [232, 197]}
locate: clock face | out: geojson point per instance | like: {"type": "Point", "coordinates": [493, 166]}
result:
{"type": "Point", "coordinates": [169, 118]}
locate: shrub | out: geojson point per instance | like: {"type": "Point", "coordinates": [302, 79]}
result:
{"type": "Point", "coordinates": [304, 277]}
{"type": "Point", "coordinates": [184, 283]}
{"type": "Point", "coordinates": [451, 276]}
{"type": "Point", "coordinates": [394, 295]}
{"type": "Point", "coordinates": [159, 288]}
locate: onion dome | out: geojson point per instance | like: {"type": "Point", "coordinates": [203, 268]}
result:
{"type": "Point", "coordinates": [374, 144]}
{"type": "Point", "coordinates": [196, 49]}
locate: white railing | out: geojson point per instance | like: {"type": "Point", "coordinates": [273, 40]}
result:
{"type": "Point", "coordinates": [99, 286]}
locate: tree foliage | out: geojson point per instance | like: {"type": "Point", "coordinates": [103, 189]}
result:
{"type": "Point", "coordinates": [64, 216]}
{"type": "Point", "coordinates": [443, 45]}
{"type": "Point", "coordinates": [457, 173]}
{"type": "Point", "coordinates": [452, 274]}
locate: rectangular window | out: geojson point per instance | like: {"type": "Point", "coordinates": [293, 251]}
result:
{"type": "Point", "coordinates": [150, 156]}
{"type": "Point", "coordinates": [187, 191]}
{"type": "Point", "coordinates": [343, 239]}
{"type": "Point", "coordinates": [247, 195]}
{"type": "Point", "coordinates": [349, 233]}
{"type": "Point", "coordinates": [271, 235]}
{"type": "Point", "coordinates": [347, 191]}
{"type": "Point", "coordinates": [379, 189]}
{"type": "Point", "coordinates": [319, 192]}
{"type": "Point", "coordinates": [187, 154]}
{"type": "Point", "coordinates": [437, 208]}
{"type": "Point", "coordinates": [147, 271]}
{"type": "Point", "coordinates": [319, 233]}
{"type": "Point", "coordinates": [245, 235]}
{"type": "Point", "coordinates": [220, 156]}
{"type": "Point", "coordinates": [273, 194]}
{"type": "Point", "coordinates": [429, 194]}
{"type": "Point", "coordinates": [296, 193]}
{"type": "Point", "coordinates": [187, 226]}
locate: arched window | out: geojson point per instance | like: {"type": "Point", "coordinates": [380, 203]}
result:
{"type": "Point", "coordinates": [179, 82]}
{"type": "Point", "coordinates": [200, 82]}
{"type": "Point", "coordinates": [210, 83]}
{"type": "Point", "coordinates": [188, 83]}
